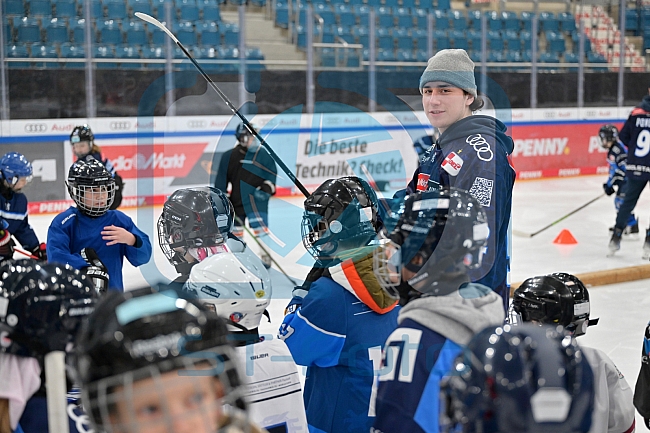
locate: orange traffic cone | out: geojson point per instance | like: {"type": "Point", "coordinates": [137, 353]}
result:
{"type": "Point", "coordinates": [565, 238]}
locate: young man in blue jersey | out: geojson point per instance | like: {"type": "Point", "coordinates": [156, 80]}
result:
{"type": "Point", "coordinates": [92, 237]}
{"type": "Point", "coordinates": [84, 147]}
{"type": "Point", "coordinates": [337, 325]}
{"type": "Point", "coordinates": [472, 153]}
{"type": "Point", "coordinates": [616, 158]}
{"type": "Point", "coordinates": [433, 240]}
{"type": "Point", "coordinates": [635, 134]}
{"type": "Point", "coordinates": [16, 172]}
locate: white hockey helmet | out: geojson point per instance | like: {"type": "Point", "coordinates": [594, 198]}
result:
{"type": "Point", "coordinates": [237, 285]}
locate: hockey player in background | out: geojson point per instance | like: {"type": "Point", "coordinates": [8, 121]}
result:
{"type": "Point", "coordinates": [43, 306]}
{"type": "Point", "coordinates": [562, 299]}
{"type": "Point", "coordinates": [251, 173]}
{"type": "Point", "coordinates": [616, 158]}
{"type": "Point", "coordinates": [518, 379]}
{"type": "Point", "coordinates": [472, 153]}
{"type": "Point", "coordinates": [84, 147]}
{"type": "Point", "coordinates": [16, 172]}
{"type": "Point", "coordinates": [432, 241]}
{"type": "Point", "coordinates": [239, 290]}
{"type": "Point", "coordinates": [635, 134]}
{"type": "Point", "coordinates": [91, 237]}
{"type": "Point", "coordinates": [337, 327]}
{"type": "Point", "coordinates": [149, 361]}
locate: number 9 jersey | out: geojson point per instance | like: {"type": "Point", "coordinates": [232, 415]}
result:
{"type": "Point", "coordinates": [636, 136]}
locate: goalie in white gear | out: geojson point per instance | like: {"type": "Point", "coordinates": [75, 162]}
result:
{"type": "Point", "coordinates": [562, 299]}
{"type": "Point", "coordinates": [237, 286]}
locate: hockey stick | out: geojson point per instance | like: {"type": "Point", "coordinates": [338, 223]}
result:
{"type": "Point", "coordinates": [239, 221]}
{"type": "Point", "coordinates": [151, 20]}
{"type": "Point", "coordinates": [530, 235]}
{"type": "Point", "coordinates": [25, 253]}
{"type": "Point", "coordinates": [57, 417]}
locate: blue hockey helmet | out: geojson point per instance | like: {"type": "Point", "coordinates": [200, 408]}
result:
{"type": "Point", "coordinates": [13, 166]}
{"type": "Point", "coordinates": [519, 379]}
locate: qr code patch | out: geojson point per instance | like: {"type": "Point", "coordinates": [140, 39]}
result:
{"type": "Point", "coordinates": [481, 190]}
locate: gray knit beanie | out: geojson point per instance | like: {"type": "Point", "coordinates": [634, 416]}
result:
{"type": "Point", "coordinates": [453, 67]}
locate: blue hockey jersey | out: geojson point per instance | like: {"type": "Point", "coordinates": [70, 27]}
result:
{"type": "Point", "coordinates": [616, 159]}
{"type": "Point", "coordinates": [71, 231]}
{"type": "Point", "coordinates": [13, 209]}
{"type": "Point", "coordinates": [35, 420]}
{"type": "Point", "coordinates": [635, 134]}
{"type": "Point", "coordinates": [338, 332]}
{"type": "Point", "coordinates": [473, 155]}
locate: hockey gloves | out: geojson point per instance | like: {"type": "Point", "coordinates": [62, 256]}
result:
{"type": "Point", "coordinates": [609, 190]}
{"type": "Point", "coordinates": [40, 252]}
{"type": "Point", "coordinates": [6, 241]}
{"type": "Point", "coordinates": [95, 270]}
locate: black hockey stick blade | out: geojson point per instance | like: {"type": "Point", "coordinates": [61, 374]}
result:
{"type": "Point", "coordinates": [530, 235]}
{"type": "Point", "coordinates": [151, 20]}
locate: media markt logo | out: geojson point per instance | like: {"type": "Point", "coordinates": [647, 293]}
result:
{"type": "Point", "coordinates": [34, 128]}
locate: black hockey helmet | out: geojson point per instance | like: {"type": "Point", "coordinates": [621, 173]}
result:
{"type": "Point", "coordinates": [88, 176]}
{"type": "Point", "coordinates": [82, 133]}
{"type": "Point", "coordinates": [194, 218]}
{"type": "Point", "coordinates": [242, 133]}
{"type": "Point", "coordinates": [434, 234]}
{"type": "Point", "coordinates": [519, 379]}
{"type": "Point", "coordinates": [556, 299]}
{"type": "Point", "coordinates": [44, 304]}
{"type": "Point", "coordinates": [340, 214]}
{"type": "Point", "coordinates": [608, 133]}
{"type": "Point", "coordinates": [143, 334]}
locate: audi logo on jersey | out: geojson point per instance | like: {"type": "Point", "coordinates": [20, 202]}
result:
{"type": "Point", "coordinates": [35, 128]}
{"type": "Point", "coordinates": [119, 125]}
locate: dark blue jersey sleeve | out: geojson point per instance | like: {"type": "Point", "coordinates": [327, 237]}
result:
{"type": "Point", "coordinates": [14, 212]}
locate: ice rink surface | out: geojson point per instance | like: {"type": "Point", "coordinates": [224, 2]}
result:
{"type": "Point", "coordinates": [623, 309]}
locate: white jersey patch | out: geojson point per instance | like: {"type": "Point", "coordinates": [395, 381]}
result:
{"type": "Point", "coordinates": [452, 164]}
{"type": "Point", "coordinates": [481, 190]}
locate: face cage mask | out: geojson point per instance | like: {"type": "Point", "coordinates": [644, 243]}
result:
{"type": "Point", "coordinates": [88, 199]}
{"type": "Point", "coordinates": [113, 402]}
{"type": "Point", "coordinates": [174, 244]}
{"type": "Point", "coordinates": [387, 266]}
{"type": "Point", "coordinates": [315, 231]}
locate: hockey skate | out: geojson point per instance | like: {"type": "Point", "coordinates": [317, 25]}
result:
{"type": "Point", "coordinates": [630, 232]}
{"type": "Point", "coordinates": [646, 245]}
{"type": "Point", "coordinates": [615, 241]}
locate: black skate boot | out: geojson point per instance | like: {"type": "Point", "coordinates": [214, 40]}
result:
{"type": "Point", "coordinates": [646, 245]}
{"type": "Point", "coordinates": [615, 242]}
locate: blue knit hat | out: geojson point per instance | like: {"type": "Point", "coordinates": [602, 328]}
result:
{"type": "Point", "coordinates": [453, 67]}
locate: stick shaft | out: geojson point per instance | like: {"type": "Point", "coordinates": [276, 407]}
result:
{"type": "Point", "coordinates": [57, 403]}
{"type": "Point", "coordinates": [567, 215]}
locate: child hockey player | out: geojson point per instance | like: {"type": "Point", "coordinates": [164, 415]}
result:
{"type": "Point", "coordinates": [337, 327]}
{"type": "Point", "coordinates": [41, 309]}
{"type": "Point", "coordinates": [562, 299]}
{"type": "Point", "coordinates": [90, 235]}
{"type": "Point", "coordinates": [616, 158]}
{"type": "Point", "coordinates": [642, 387]}
{"type": "Point", "coordinates": [433, 239]}
{"type": "Point", "coordinates": [16, 172]}
{"type": "Point", "coordinates": [149, 362]}
{"type": "Point", "coordinates": [195, 224]}
{"type": "Point", "coordinates": [251, 173]}
{"type": "Point", "coordinates": [84, 147]}
{"type": "Point", "coordinates": [239, 291]}
{"type": "Point", "coordinates": [518, 379]}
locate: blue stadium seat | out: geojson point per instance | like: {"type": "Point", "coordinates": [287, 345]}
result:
{"type": "Point", "coordinates": [421, 56]}
{"type": "Point", "coordinates": [282, 16]}
{"type": "Point", "coordinates": [420, 38]}
{"type": "Point", "coordinates": [72, 51]}
{"type": "Point", "coordinates": [440, 20]}
{"type": "Point", "coordinates": [510, 21]}
{"type": "Point", "coordinates": [404, 56]}
{"type": "Point", "coordinates": [56, 31]}
{"type": "Point", "coordinates": [115, 9]}
{"type": "Point", "coordinates": [459, 39]}
{"type": "Point", "coordinates": [44, 51]}
{"type": "Point", "coordinates": [555, 42]}
{"type": "Point", "coordinates": [474, 19]}
{"type": "Point", "coordinates": [441, 40]}
{"type": "Point", "coordinates": [28, 31]}
{"type": "Point", "coordinates": [457, 20]}
{"type": "Point", "coordinates": [189, 10]}
{"type": "Point", "coordinates": [374, 3]}
{"type": "Point", "coordinates": [408, 4]}
{"type": "Point", "coordinates": [186, 34]}
{"type": "Point", "coordinates": [495, 40]}
{"type": "Point", "coordinates": [254, 56]}
{"type": "Point", "coordinates": [143, 6]}
{"type": "Point", "coordinates": [427, 4]}
{"type": "Point", "coordinates": [421, 18]}
{"type": "Point", "coordinates": [593, 57]}
{"type": "Point", "coordinates": [403, 39]}
{"type": "Point", "coordinates": [231, 54]}
{"type": "Point", "coordinates": [40, 8]}
{"type": "Point", "coordinates": [136, 34]}
{"type": "Point", "coordinates": [404, 17]}
{"type": "Point", "coordinates": [110, 33]}
{"type": "Point", "coordinates": [77, 27]}
{"type": "Point", "coordinates": [475, 56]}
{"type": "Point", "coordinates": [347, 18]}
{"type": "Point", "coordinates": [17, 51]}
{"type": "Point", "coordinates": [158, 37]}
{"type": "Point", "coordinates": [513, 56]}
{"type": "Point", "coordinates": [570, 57]}
{"type": "Point", "coordinates": [495, 56]}
{"type": "Point", "coordinates": [443, 5]}
{"type": "Point", "coordinates": [65, 9]}
{"type": "Point", "coordinates": [327, 57]}
{"type": "Point", "coordinates": [474, 38]}
{"type": "Point", "coordinates": [385, 17]}
{"type": "Point", "coordinates": [526, 19]}
{"type": "Point", "coordinates": [363, 15]}
{"type": "Point", "coordinates": [385, 40]}
{"type": "Point", "coordinates": [14, 8]}
{"type": "Point", "coordinates": [512, 40]}
{"type": "Point", "coordinates": [361, 35]}
{"type": "Point", "coordinates": [209, 33]}
{"type": "Point", "coordinates": [576, 43]}
{"type": "Point", "coordinates": [96, 10]}
{"type": "Point", "coordinates": [9, 38]}
{"type": "Point", "coordinates": [494, 21]}
{"type": "Point", "coordinates": [154, 52]}
{"type": "Point", "coordinates": [212, 12]}
{"type": "Point", "coordinates": [548, 57]}
{"type": "Point", "coordinates": [567, 22]}
{"type": "Point", "coordinates": [385, 56]}
{"type": "Point", "coordinates": [547, 21]}
{"type": "Point", "coordinates": [526, 56]}
{"type": "Point", "coordinates": [345, 33]}
{"type": "Point", "coordinates": [185, 64]}
{"type": "Point", "coordinates": [128, 52]}
{"type": "Point", "coordinates": [526, 41]}
{"type": "Point", "coordinates": [231, 35]}
{"type": "Point", "coordinates": [209, 54]}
